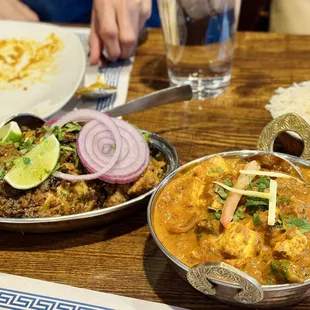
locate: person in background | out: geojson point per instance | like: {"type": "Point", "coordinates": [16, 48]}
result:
{"type": "Point", "coordinates": [115, 24]}
{"type": "Point", "coordinates": [292, 17]}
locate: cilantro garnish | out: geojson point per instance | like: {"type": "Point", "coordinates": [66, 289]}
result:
{"type": "Point", "coordinates": [239, 214]}
{"type": "Point", "coordinates": [256, 219]}
{"type": "Point", "coordinates": [146, 136]}
{"type": "Point", "coordinates": [58, 133]}
{"type": "Point", "coordinates": [216, 170]}
{"type": "Point", "coordinates": [283, 199]}
{"type": "Point", "coordinates": [27, 145]}
{"type": "Point", "coordinates": [220, 191]}
{"type": "Point", "coordinates": [228, 182]}
{"type": "Point", "coordinates": [217, 212]}
{"type": "Point", "coordinates": [73, 127]}
{"type": "Point", "coordinates": [27, 161]}
{"type": "Point", "coordinates": [302, 224]}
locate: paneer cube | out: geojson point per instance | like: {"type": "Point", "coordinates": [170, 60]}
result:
{"type": "Point", "coordinates": [291, 244]}
{"type": "Point", "coordinates": [238, 241]}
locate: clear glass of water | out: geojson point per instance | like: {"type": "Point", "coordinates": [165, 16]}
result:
{"type": "Point", "coordinates": [199, 39]}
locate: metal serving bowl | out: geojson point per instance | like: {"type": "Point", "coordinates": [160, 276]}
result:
{"type": "Point", "coordinates": [241, 289]}
{"type": "Point", "coordinates": [96, 217]}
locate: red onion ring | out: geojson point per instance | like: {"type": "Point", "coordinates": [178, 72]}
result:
{"type": "Point", "coordinates": [84, 115]}
{"type": "Point", "coordinates": [96, 139]}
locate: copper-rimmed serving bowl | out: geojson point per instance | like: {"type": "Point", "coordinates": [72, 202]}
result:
{"type": "Point", "coordinates": [240, 289]}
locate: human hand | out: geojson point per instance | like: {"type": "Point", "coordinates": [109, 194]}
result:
{"type": "Point", "coordinates": [16, 10]}
{"type": "Point", "coordinates": [115, 27]}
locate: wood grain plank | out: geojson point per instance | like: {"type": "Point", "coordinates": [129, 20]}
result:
{"type": "Point", "coordinates": [122, 258]}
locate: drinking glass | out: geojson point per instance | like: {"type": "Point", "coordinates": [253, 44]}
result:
{"type": "Point", "coordinates": [199, 39]}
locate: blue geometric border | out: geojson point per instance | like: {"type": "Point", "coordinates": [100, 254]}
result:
{"type": "Point", "coordinates": [16, 300]}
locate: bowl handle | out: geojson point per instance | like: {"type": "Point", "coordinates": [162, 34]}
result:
{"type": "Point", "coordinates": [199, 277]}
{"type": "Point", "coordinates": [285, 122]}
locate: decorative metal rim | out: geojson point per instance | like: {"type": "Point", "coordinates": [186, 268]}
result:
{"type": "Point", "coordinates": [286, 122]}
{"type": "Point", "coordinates": [199, 277]}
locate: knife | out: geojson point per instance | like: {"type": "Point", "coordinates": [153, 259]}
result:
{"type": "Point", "coordinates": [160, 97]}
{"type": "Point", "coordinates": [164, 96]}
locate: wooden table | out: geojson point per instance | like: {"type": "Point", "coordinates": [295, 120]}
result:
{"type": "Point", "coordinates": [122, 258]}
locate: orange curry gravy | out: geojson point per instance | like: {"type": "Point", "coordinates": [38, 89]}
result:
{"type": "Point", "coordinates": [186, 221]}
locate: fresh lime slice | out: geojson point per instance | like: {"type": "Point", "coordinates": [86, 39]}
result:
{"type": "Point", "coordinates": [36, 166]}
{"type": "Point", "coordinates": [10, 132]}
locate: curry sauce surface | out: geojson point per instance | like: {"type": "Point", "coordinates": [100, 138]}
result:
{"type": "Point", "coordinates": [186, 220]}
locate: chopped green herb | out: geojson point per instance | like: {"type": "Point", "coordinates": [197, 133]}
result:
{"type": "Point", "coordinates": [284, 268]}
{"type": "Point", "coordinates": [256, 219]}
{"type": "Point", "coordinates": [27, 161]}
{"type": "Point", "coordinates": [216, 170]}
{"type": "Point", "coordinates": [253, 202]}
{"type": "Point", "coordinates": [220, 200]}
{"type": "Point", "coordinates": [64, 193]}
{"type": "Point", "coordinates": [283, 199]}
{"type": "Point", "coordinates": [73, 127]}
{"type": "Point", "coordinates": [228, 182]}
{"type": "Point", "coordinates": [279, 222]}
{"type": "Point", "coordinates": [9, 161]}
{"type": "Point", "coordinates": [262, 183]}
{"type": "Point", "coordinates": [43, 139]}
{"type": "Point", "coordinates": [220, 191]}
{"type": "Point", "coordinates": [239, 214]}
{"type": "Point", "coordinates": [114, 146]}
{"type": "Point", "coordinates": [217, 212]}
{"type": "Point", "coordinates": [2, 173]}
{"type": "Point", "coordinates": [273, 267]}
{"type": "Point", "coordinates": [27, 145]}
{"type": "Point", "coordinates": [68, 148]}
{"type": "Point", "coordinates": [146, 136]}
{"type": "Point", "coordinates": [302, 224]}
{"type": "Point", "coordinates": [58, 133]}
{"type": "Point", "coordinates": [47, 129]}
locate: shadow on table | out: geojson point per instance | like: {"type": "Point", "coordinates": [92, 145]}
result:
{"type": "Point", "coordinates": [154, 73]}
{"type": "Point", "coordinates": [52, 241]}
{"type": "Point", "coordinates": [169, 286]}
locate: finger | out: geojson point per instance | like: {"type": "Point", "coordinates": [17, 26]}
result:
{"type": "Point", "coordinates": [145, 12]}
{"type": "Point", "coordinates": [95, 43]}
{"type": "Point", "coordinates": [108, 29]}
{"type": "Point", "coordinates": [128, 22]}
{"type": "Point", "coordinates": [27, 13]}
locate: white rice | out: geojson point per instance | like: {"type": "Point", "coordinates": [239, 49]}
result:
{"type": "Point", "coordinates": [295, 98]}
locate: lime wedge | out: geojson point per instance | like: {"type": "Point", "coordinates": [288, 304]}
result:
{"type": "Point", "coordinates": [10, 132]}
{"type": "Point", "coordinates": [36, 166]}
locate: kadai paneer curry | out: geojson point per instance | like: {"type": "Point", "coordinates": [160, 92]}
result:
{"type": "Point", "coordinates": [254, 218]}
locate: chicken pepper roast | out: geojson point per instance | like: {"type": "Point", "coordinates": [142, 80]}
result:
{"type": "Point", "coordinates": [30, 187]}
{"type": "Point", "coordinates": [254, 217]}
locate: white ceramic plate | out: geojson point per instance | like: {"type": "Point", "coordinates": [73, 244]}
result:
{"type": "Point", "coordinates": [44, 98]}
